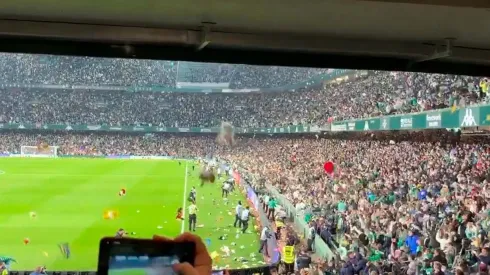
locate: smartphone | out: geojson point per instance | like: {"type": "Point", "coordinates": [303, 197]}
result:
{"type": "Point", "coordinates": [121, 256]}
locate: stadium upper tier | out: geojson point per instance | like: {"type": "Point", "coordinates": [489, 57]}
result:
{"type": "Point", "coordinates": [378, 93]}
{"type": "Point", "coordinates": [70, 70]}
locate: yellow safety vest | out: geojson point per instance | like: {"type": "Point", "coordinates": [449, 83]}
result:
{"type": "Point", "coordinates": [484, 86]}
{"type": "Point", "coordinates": [288, 254]}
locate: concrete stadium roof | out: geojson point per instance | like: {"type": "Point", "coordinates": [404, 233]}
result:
{"type": "Point", "coordinates": [368, 27]}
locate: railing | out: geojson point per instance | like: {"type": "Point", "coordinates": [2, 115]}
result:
{"type": "Point", "coordinates": [291, 129]}
{"type": "Point", "coordinates": [321, 248]}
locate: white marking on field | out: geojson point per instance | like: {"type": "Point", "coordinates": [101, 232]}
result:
{"type": "Point", "coordinates": [182, 228]}
{"type": "Point", "coordinates": [2, 172]}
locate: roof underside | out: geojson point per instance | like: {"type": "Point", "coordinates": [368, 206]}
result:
{"type": "Point", "coordinates": [373, 28]}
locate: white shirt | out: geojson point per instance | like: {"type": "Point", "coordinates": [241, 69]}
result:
{"type": "Point", "coordinates": [263, 234]}
{"type": "Point", "coordinates": [245, 213]}
{"type": "Point", "coordinates": [266, 199]}
{"type": "Point", "coordinates": [312, 233]}
{"type": "Point", "coordinates": [238, 210]}
{"type": "Point", "coordinates": [226, 186]}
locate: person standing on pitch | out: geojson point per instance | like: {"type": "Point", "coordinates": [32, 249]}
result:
{"type": "Point", "coordinates": [192, 216]}
{"type": "Point", "coordinates": [244, 218]}
{"type": "Point", "coordinates": [193, 194]}
{"type": "Point", "coordinates": [238, 214]}
{"type": "Point", "coordinates": [225, 189]}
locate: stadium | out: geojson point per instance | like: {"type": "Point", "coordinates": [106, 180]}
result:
{"type": "Point", "coordinates": [147, 120]}
{"type": "Point", "coordinates": [93, 147]}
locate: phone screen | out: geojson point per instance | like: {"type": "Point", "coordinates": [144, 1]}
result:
{"type": "Point", "coordinates": [144, 264]}
{"type": "Point", "coordinates": [143, 257]}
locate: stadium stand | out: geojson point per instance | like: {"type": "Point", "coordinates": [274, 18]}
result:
{"type": "Point", "coordinates": [400, 202]}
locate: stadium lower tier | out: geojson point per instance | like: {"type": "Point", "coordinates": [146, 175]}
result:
{"type": "Point", "coordinates": [58, 209]}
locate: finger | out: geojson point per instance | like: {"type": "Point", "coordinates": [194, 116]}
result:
{"type": "Point", "coordinates": [185, 269]}
{"type": "Point", "coordinates": [202, 256]}
{"type": "Point", "coordinates": [161, 238]}
{"type": "Point", "coordinates": [188, 237]}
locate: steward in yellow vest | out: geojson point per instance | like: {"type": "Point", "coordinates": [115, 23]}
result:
{"type": "Point", "coordinates": [288, 258]}
{"type": "Point", "coordinates": [288, 254]}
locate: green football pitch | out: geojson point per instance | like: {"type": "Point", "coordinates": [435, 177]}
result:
{"type": "Point", "coordinates": [69, 197]}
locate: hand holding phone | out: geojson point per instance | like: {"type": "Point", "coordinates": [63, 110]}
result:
{"type": "Point", "coordinates": [158, 256]}
{"type": "Point", "coordinates": [202, 261]}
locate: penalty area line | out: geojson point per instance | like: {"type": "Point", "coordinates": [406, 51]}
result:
{"type": "Point", "coordinates": [184, 201]}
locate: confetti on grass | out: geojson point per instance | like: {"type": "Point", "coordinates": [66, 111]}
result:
{"type": "Point", "coordinates": [110, 214]}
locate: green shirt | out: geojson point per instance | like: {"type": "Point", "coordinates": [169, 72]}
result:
{"type": "Point", "coordinates": [308, 218]}
{"type": "Point", "coordinates": [341, 206]}
{"type": "Point", "coordinates": [376, 255]}
{"type": "Point", "coordinates": [372, 198]}
{"type": "Point", "coordinates": [272, 204]}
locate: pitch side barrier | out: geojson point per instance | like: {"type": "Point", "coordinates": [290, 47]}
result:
{"type": "Point", "coordinates": [321, 248]}
{"type": "Point", "coordinates": [262, 220]}
{"type": "Point", "coordinates": [262, 270]}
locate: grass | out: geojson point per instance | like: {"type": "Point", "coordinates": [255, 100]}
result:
{"type": "Point", "coordinates": [69, 197]}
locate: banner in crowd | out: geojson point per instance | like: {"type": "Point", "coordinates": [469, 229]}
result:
{"type": "Point", "coordinates": [156, 129]}
{"type": "Point", "coordinates": [471, 116]}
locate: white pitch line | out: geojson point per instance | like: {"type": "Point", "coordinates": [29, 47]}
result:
{"type": "Point", "coordinates": [182, 228]}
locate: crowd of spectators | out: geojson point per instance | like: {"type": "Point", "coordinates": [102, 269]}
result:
{"type": "Point", "coordinates": [414, 200]}
{"type": "Point", "coordinates": [411, 201]}
{"type": "Point", "coordinates": [379, 93]}
{"type": "Point", "coordinates": [109, 144]}
{"type": "Point", "coordinates": [163, 109]}
{"type": "Point", "coordinates": [375, 93]}
{"type": "Point", "coordinates": [248, 76]}
{"type": "Point", "coordinates": [382, 93]}
{"type": "Point", "coordinates": [27, 69]}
